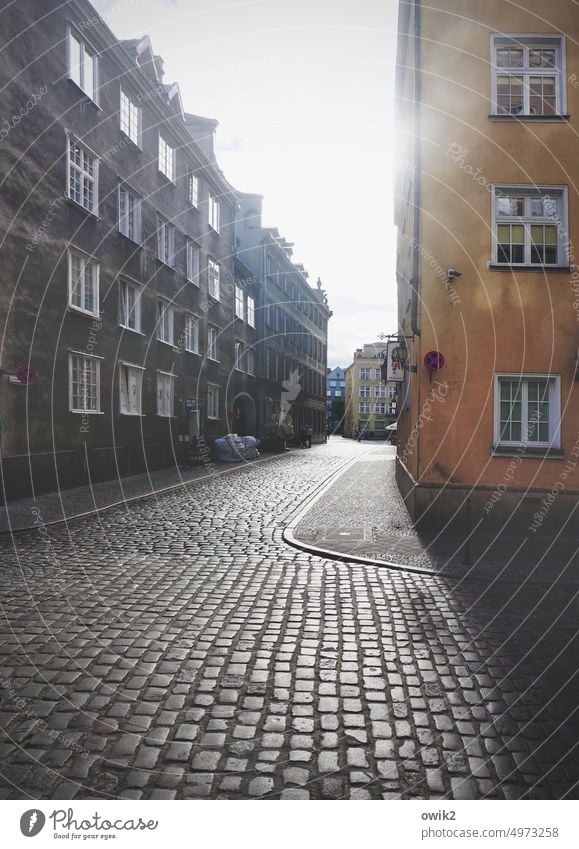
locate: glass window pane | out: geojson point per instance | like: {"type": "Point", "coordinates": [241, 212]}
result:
{"type": "Point", "coordinates": [517, 234]}
{"type": "Point", "coordinates": [550, 235]}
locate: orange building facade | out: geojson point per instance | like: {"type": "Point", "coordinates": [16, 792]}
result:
{"type": "Point", "coordinates": [487, 210]}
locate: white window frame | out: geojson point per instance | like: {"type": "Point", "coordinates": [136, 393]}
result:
{"type": "Point", "coordinates": [127, 405]}
{"type": "Point", "coordinates": [238, 355]}
{"type": "Point", "coordinates": [213, 279]}
{"type": "Point", "coordinates": [250, 305]}
{"type": "Point", "coordinates": [193, 189]}
{"type": "Point", "coordinates": [554, 440]}
{"type": "Point", "coordinates": [126, 194]}
{"type": "Point", "coordinates": [192, 333]}
{"type": "Point", "coordinates": [365, 391]}
{"type": "Point", "coordinates": [83, 174]}
{"type": "Point", "coordinates": [96, 361]}
{"type": "Point", "coordinates": [213, 401]}
{"type": "Point", "coordinates": [79, 79]}
{"type": "Point", "coordinates": [125, 314]}
{"type": "Point", "coordinates": [193, 260]}
{"type": "Point", "coordinates": [365, 374]}
{"type": "Point", "coordinates": [239, 303]}
{"type": "Point", "coordinates": [526, 42]}
{"type": "Point", "coordinates": [85, 259]}
{"type": "Point", "coordinates": [250, 362]}
{"type": "Point", "coordinates": [380, 408]}
{"type": "Point", "coordinates": [165, 405]}
{"type": "Point", "coordinates": [214, 213]}
{"type": "Point", "coordinates": [130, 118]}
{"type": "Point", "coordinates": [165, 241]}
{"type": "Point", "coordinates": [365, 407]}
{"type": "Point", "coordinates": [528, 192]}
{"type": "Point", "coordinates": [165, 321]}
{"type": "Point", "coordinates": [213, 343]}
{"type": "Point", "coordinates": [167, 158]}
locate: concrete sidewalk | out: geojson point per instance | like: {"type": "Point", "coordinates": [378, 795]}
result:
{"type": "Point", "coordinates": [362, 515]}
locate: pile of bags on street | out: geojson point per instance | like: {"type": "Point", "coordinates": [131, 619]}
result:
{"type": "Point", "coordinates": [233, 448]}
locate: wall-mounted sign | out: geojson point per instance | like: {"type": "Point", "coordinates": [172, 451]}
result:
{"type": "Point", "coordinates": [394, 365]}
{"type": "Point", "coordinates": [434, 360]}
{"type": "Point", "coordinates": [25, 374]}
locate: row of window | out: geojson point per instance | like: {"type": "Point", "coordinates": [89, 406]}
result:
{"type": "Point", "coordinates": [279, 321]}
{"type": "Point", "coordinates": [370, 374]}
{"type": "Point", "coordinates": [379, 392]}
{"type": "Point", "coordinates": [283, 280]}
{"type": "Point", "coordinates": [380, 408]}
{"type": "Point", "coordinates": [83, 70]}
{"type": "Point", "coordinates": [85, 395]}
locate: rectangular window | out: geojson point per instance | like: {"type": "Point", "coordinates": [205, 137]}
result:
{"type": "Point", "coordinates": [214, 213]}
{"type": "Point", "coordinates": [239, 310]}
{"type": "Point", "coordinates": [238, 356]}
{"type": "Point", "coordinates": [130, 385]}
{"type": "Point", "coordinates": [192, 334]}
{"type": "Point", "coordinates": [130, 304]}
{"type": "Point", "coordinates": [83, 384]}
{"type": "Point", "coordinates": [250, 311]}
{"type": "Point", "coordinates": [129, 214]}
{"type": "Point", "coordinates": [193, 189]}
{"type": "Point", "coordinates": [165, 241]}
{"type": "Point", "coordinates": [365, 391]}
{"type": "Point", "coordinates": [527, 75]}
{"type": "Point", "coordinates": [165, 321]}
{"type": "Point", "coordinates": [364, 407]}
{"type": "Point", "coordinates": [165, 393]}
{"type": "Point", "coordinates": [82, 65]}
{"type": "Point", "coordinates": [380, 408]}
{"type": "Point", "coordinates": [83, 283]}
{"type": "Point", "coordinates": [250, 361]}
{"type": "Point", "coordinates": [365, 374]}
{"type": "Point", "coordinates": [166, 159]}
{"type": "Point", "coordinates": [380, 391]}
{"type": "Point", "coordinates": [82, 183]}
{"type": "Point", "coordinates": [529, 225]}
{"type": "Point", "coordinates": [527, 410]}
{"type": "Point", "coordinates": [212, 401]}
{"type": "Point", "coordinates": [212, 343]}
{"type": "Point", "coordinates": [193, 255]}
{"type": "Point", "coordinates": [214, 279]}
{"type": "Point", "coordinates": [130, 115]}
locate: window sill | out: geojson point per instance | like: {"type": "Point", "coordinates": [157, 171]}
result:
{"type": "Point", "coordinates": [131, 329]}
{"type": "Point", "coordinates": [523, 118]}
{"type": "Point", "coordinates": [212, 359]}
{"type": "Point", "coordinates": [169, 344]}
{"type": "Point", "coordinates": [87, 412]}
{"type": "Point", "coordinates": [136, 242]}
{"type": "Point", "coordinates": [163, 416]}
{"type": "Point", "coordinates": [194, 282]}
{"type": "Point", "coordinates": [522, 451]}
{"type": "Point", "coordinates": [125, 137]}
{"type": "Point", "coordinates": [132, 415]}
{"type": "Point", "coordinates": [85, 94]}
{"type": "Point", "coordinates": [189, 351]}
{"type": "Point", "coordinates": [166, 264]}
{"type": "Point", "coordinates": [82, 208]}
{"type": "Point", "coordinates": [80, 311]}
{"type": "Point", "coordinates": [169, 180]}
{"type": "Point", "coordinates": [214, 418]}
{"type": "Point", "coordinates": [558, 269]}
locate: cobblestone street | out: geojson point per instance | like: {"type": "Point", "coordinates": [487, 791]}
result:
{"type": "Point", "coordinates": [177, 647]}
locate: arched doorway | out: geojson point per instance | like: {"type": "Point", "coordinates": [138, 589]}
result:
{"type": "Point", "coordinates": [243, 422]}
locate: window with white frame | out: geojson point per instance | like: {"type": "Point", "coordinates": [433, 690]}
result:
{"type": "Point", "coordinates": [193, 189]}
{"type": "Point", "coordinates": [238, 356]}
{"type": "Point", "coordinates": [83, 383]}
{"type": "Point", "coordinates": [130, 389]}
{"type": "Point", "coordinates": [166, 159]}
{"type": "Point", "coordinates": [364, 407]}
{"type": "Point", "coordinates": [528, 75]}
{"type": "Point", "coordinates": [214, 272]}
{"type": "Point", "coordinates": [365, 391]}
{"type": "Point", "coordinates": [380, 391]}
{"type": "Point", "coordinates": [214, 213]}
{"type": "Point", "coordinates": [392, 392]}
{"type": "Point", "coordinates": [129, 214]}
{"type": "Point", "coordinates": [250, 311]}
{"type": "Point", "coordinates": [212, 401]}
{"type": "Point", "coordinates": [193, 255]}
{"type": "Point", "coordinates": [82, 182]}
{"type": "Point", "coordinates": [165, 393]}
{"type": "Point", "coordinates": [212, 343]}
{"type": "Point", "coordinates": [165, 321]}
{"type": "Point", "coordinates": [192, 334]}
{"type": "Point", "coordinates": [83, 283]}
{"type": "Point", "coordinates": [130, 117]}
{"type": "Point", "coordinates": [380, 408]}
{"type": "Point", "coordinates": [82, 64]}
{"type": "Point", "coordinates": [365, 374]}
{"type": "Point", "coordinates": [529, 225]}
{"type": "Point", "coordinates": [250, 361]}
{"type": "Point", "coordinates": [165, 241]}
{"type": "Point", "coordinates": [130, 305]}
{"type": "Point", "coordinates": [527, 410]}
{"type": "Point", "coordinates": [239, 307]}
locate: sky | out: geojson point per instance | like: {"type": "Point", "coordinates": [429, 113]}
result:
{"type": "Point", "coordinates": [303, 92]}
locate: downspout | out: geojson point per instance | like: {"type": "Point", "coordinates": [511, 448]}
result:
{"type": "Point", "coordinates": [418, 174]}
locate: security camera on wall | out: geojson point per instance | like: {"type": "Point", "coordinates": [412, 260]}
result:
{"type": "Point", "coordinates": [452, 274]}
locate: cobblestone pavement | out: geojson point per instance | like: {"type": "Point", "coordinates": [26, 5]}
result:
{"type": "Point", "coordinates": [178, 648]}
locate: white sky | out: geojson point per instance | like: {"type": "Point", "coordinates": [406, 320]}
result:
{"type": "Point", "coordinates": [303, 92]}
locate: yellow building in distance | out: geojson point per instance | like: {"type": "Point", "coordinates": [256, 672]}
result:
{"type": "Point", "coordinates": [370, 404]}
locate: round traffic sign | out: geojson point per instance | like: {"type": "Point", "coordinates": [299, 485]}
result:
{"type": "Point", "coordinates": [434, 360]}
{"type": "Point", "coordinates": [25, 374]}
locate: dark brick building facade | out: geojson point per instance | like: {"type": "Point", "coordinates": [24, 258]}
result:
{"type": "Point", "coordinates": [120, 285]}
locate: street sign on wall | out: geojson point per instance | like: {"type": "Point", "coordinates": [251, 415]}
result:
{"type": "Point", "coordinates": [394, 368]}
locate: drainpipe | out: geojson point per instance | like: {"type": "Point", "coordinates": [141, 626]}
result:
{"type": "Point", "coordinates": [418, 164]}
